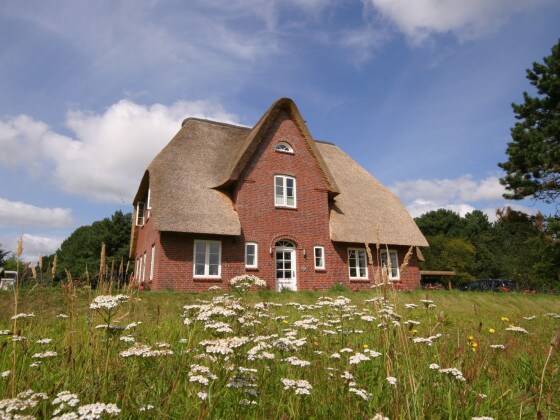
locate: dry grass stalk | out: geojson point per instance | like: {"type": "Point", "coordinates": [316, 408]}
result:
{"type": "Point", "coordinates": [54, 264]}
{"type": "Point", "coordinates": [404, 265]}
{"type": "Point", "coordinates": [19, 249]}
{"type": "Point", "coordinates": [33, 272]}
{"type": "Point", "coordinates": [40, 262]}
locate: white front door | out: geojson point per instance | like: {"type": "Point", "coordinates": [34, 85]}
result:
{"type": "Point", "coordinates": [285, 266]}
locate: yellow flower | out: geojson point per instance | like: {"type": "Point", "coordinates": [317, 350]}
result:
{"type": "Point", "coordinates": [505, 318]}
{"type": "Point", "coordinates": [414, 331]}
{"type": "Point", "coordinates": [366, 346]}
{"type": "Point", "coordinates": [471, 338]}
{"type": "Point", "coordinates": [284, 321]}
{"type": "Point", "coordinates": [491, 330]}
{"type": "Point", "coordinates": [474, 344]}
{"type": "Point", "coordinates": [473, 348]}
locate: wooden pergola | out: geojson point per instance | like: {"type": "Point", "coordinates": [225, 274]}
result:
{"type": "Point", "coordinates": [447, 274]}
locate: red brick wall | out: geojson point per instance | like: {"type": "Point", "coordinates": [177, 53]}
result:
{"type": "Point", "coordinates": [306, 226]}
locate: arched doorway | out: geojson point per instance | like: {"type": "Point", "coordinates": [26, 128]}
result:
{"type": "Point", "coordinates": [285, 252]}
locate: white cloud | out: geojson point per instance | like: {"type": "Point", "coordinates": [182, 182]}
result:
{"type": "Point", "coordinates": [108, 153]}
{"type": "Point", "coordinates": [16, 213]}
{"type": "Point", "coordinates": [462, 195]}
{"type": "Point", "coordinates": [464, 188]}
{"type": "Point", "coordinates": [420, 19]}
{"type": "Point", "coordinates": [33, 245]}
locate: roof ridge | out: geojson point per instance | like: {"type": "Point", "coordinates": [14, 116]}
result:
{"type": "Point", "coordinates": [225, 124]}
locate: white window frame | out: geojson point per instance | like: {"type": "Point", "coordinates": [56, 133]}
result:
{"type": "Point", "coordinates": [140, 213]}
{"type": "Point", "coordinates": [152, 262]}
{"type": "Point", "coordinates": [256, 255]}
{"type": "Point", "coordinates": [207, 259]}
{"type": "Point", "coordinates": [144, 268]}
{"type": "Point", "coordinates": [284, 197]}
{"type": "Point", "coordinates": [149, 202]}
{"type": "Point", "coordinates": [138, 266]}
{"type": "Point", "coordinates": [358, 267]}
{"type": "Point", "coordinates": [320, 266]}
{"type": "Point", "coordinates": [394, 267]}
{"type": "Point", "coordinates": [280, 148]}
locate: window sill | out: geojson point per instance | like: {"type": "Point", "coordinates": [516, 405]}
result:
{"type": "Point", "coordinates": [285, 207]}
{"type": "Point", "coordinates": [251, 268]}
{"type": "Point", "coordinates": [360, 281]}
{"type": "Point", "coordinates": [320, 270]}
{"type": "Point", "coordinates": [208, 279]}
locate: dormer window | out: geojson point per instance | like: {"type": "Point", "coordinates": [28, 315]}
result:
{"type": "Point", "coordinates": [283, 147]}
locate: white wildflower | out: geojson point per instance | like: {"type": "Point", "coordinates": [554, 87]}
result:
{"type": "Point", "coordinates": [127, 339]}
{"type": "Point", "coordinates": [454, 372]}
{"type": "Point", "coordinates": [147, 407]}
{"type": "Point", "coordinates": [20, 316]}
{"type": "Point", "coordinates": [202, 395]}
{"type": "Point", "coordinates": [5, 332]}
{"type": "Point", "coordinates": [357, 358]}
{"type": "Point", "coordinates": [107, 302]}
{"type": "Point", "coordinates": [44, 341]}
{"type": "Point", "coordinates": [361, 393]}
{"type": "Point", "coordinates": [517, 329]}
{"type": "Point", "coordinates": [63, 316]}
{"type": "Point", "coordinates": [434, 366]}
{"type": "Point", "coordinates": [95, 411]}
{"type": "Point", "coordinates": [6, 373]}
{"type": "Point", "coordinates": [294, 361]}
{"type": "Point", "coordinates": [497, 346]}
{"type": "Point", "coordinates": [392, 380]}
{"type": "Point", "coordinates": [44, 355]}
{"type": "Point", "coordinates": [335, 356]}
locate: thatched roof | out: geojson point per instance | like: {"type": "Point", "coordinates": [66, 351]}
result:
{"type": "Point", "coordinates": [190, 177]}
{"type": "Point", "coordinates": [365, 210]}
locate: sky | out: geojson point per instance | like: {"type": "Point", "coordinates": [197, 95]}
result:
{"type": "Point", "coordinates": [418, 92]}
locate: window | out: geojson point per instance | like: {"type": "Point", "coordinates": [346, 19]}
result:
{"type": "Point", "coordinates": [149, 202]}
{"type": "Point", "coordinates": [283, 147]}
{"type": "Point", "coordinates": [357, 263]}
{"type": "Point", "coordinates": [319, 255]}
{"type": "Point", "coordinates": [152, 262]}
{"type": "Point", "coordinates": [138, 265]}
{"type": "Point", "coordinates": [207, 259]}
{"type": "Point", "coordinates": [144, 267]}
{"type": "Point", "coordinates": [251, 256]}
{"type": "Point", "coordinates": [140, 214]}
{"type": "Point", "coordinates": [394, 272]}
{"type": "Point", "coordinates": [284, 191]}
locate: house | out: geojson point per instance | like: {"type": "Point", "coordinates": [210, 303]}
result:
{"type": "Point", "coordinates": [222, 200]}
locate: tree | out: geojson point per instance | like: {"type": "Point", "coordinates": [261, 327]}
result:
{"type": "Point", "coordinates": [82, 248]}
{"type": "Point", "coordinates": [533, 166]}
{"type": "Point", "coordinates": [3, 255]}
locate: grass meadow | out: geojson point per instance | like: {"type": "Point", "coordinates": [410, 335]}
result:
{"type": "Point", "coordinates": [76, 353]}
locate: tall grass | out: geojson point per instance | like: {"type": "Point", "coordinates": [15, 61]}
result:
{"type": "Point", "coordinates": [361, 354]}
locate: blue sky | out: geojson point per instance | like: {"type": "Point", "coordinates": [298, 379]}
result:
{"type": "Point", "coordinates": [417, 91]}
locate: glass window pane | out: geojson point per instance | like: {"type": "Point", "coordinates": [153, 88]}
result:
{"type": "Point", "coordinates": [352, 272]}
{"type": "Point", "coordinates": [214, 269]}
{"type": "Point", "coordinates": [199, 269]}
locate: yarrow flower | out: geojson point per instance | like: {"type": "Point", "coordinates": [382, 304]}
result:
{"type": "Point", "coordinates": [454, 372]}
{"type": "Point", "coordinates": [497, 346]}
{"type": "Point", "coordinates": [44, 355]}
{"type": "Point", "coordinates": [294, 361]}
{"type": "Point", "coordinates": [392, 380]}
{"type": "Point", "coordinates": [361, 393]}
{"type": "Point", "coordinates": [107, 302]}
{"type": "Point", "coordinates": [517, 329]}
{"type": "Point", "coordinates": [357, 358]}
{"type": "Point", "coordinates": [142, 350]}
{"type": "Point", "coordinates": [20, 316]}
{"type": "Point", "coordinates": [95, 411]}
{"type": "Point", "coordinates": [301, 386]}
{"type": "Point", "coordinates": [64, 400]}
{"type": "Point", "coordinates": [6, 373]}
{"type": "Point", "coordinates": [44, 341]}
